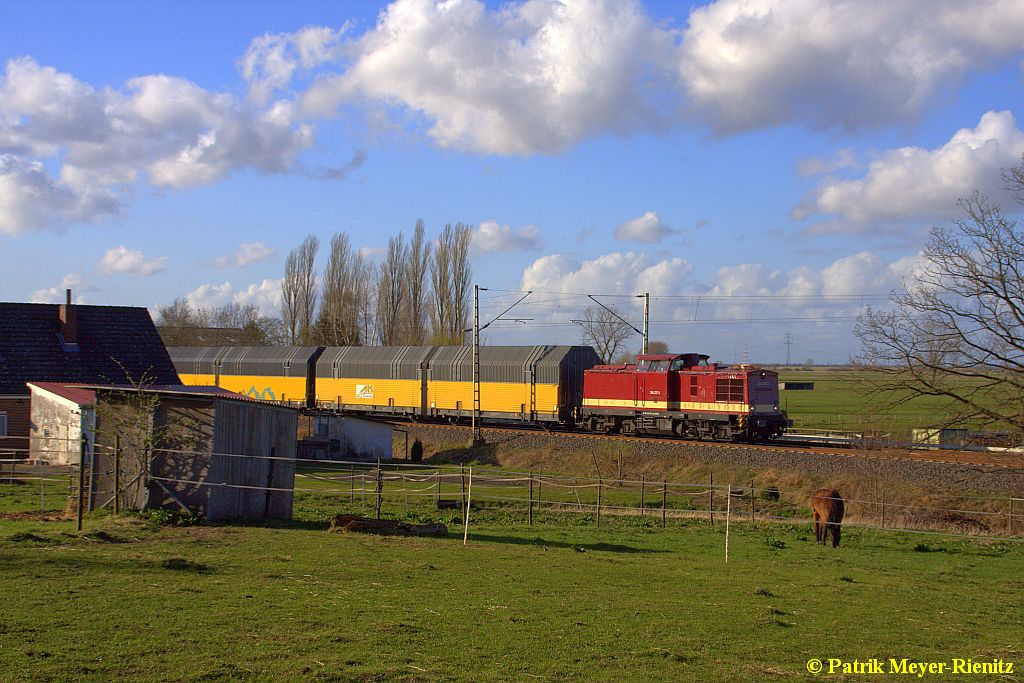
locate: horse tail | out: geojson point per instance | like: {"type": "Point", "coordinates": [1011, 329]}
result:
{"type": "Point", "coordinates": [835, 517]}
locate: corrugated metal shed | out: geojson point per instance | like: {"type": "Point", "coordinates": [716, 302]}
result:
{"type": "Point", "coordinates": [211, 452]}
{"type": "Point", "coordinates": [373, 362]}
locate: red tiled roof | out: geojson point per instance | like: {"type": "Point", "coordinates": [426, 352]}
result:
{"type": "Point", "coordinates": [83, 397]}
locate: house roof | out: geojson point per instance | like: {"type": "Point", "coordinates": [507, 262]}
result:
{"type": "Point", "coordinates": [83, 397]}
{"type": "Point", "coordinates": [116, 344]}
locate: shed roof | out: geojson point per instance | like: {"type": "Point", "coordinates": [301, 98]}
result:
{"type": "Point", "coordinates": [83, 397]}
{"type": "Point", "coordinates": [115, 344]}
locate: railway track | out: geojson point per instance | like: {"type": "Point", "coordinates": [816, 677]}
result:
{"type": "Point", "coordinates": [986, 459]}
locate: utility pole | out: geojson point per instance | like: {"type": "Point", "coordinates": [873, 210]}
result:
{"type": "Point", "coordinates": [647, 310]}
{"type": "Point", "coordinates": [477, 436]}
{"type": "Point", "coordinates": [788, 341]}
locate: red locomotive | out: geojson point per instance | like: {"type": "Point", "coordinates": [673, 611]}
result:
{"type": "Point", "coordinates": [682, 394]}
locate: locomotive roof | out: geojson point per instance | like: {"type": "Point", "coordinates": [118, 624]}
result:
{"type": "Point", "coordinates": [670, 356]}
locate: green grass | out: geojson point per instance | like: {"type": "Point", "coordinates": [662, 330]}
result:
{"type": "Point", "coordinates": [562, 600]}
{"type": "Point", "coordinates": [23, 493]}
{"type": "Point", "coordinates": [838, 401]}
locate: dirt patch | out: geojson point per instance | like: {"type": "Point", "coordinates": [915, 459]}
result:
{"type": "Point", "coordinates": [387, 527]}
{"type": "Point", "coordinates": [35, 516]}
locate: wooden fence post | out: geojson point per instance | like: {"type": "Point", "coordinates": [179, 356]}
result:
{"type": "Point", "coordinates": [598, 505]}
{"type": "Point", "coordinates": [643, 486]}
{"type": "Point", "coordinates": [883, 508]}
{"type": "Point", "coordinates": [1011, 515]}
{"type": "Point", "coordinates": [664, 503]}
{"type": "Point", "coordinates": [380, 487]}
{"type": "Point", "coordinates": [117, 473]}
{"type": "Point", "coordinates": [751, 502]}
{"type": "Point", "coordinates": [531, 497]}
{"type": "Point", "coordinates": [81, 481]}
{"type": "Point", "coordinates": [352, 484]}
{"type": "Point", "coordinates": [462, 472]}
{"type": "Point", "coordinates": [469, 494]}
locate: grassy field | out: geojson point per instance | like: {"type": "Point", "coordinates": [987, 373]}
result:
{"type": "Point", "coordinates": [562, 600]}
{"type": "Point", "coordinates": [839, 401]}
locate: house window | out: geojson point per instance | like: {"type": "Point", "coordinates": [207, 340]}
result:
{"type": "Point", "coordinates": [3, 423]}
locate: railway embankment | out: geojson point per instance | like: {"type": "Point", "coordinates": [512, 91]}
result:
{"type": "Point", "coordinates": [655, 459]}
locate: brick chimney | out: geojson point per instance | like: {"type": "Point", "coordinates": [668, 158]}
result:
{"type": "Point", "coordinates": [68, 321]}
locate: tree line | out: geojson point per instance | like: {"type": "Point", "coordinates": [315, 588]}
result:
{"type": "Point", "coordinates": [418, 292]}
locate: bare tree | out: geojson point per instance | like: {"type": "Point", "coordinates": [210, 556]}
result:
{"type": "Point", "coordinates": [307, 290]}
{"type": "Point", "coordinates": [366, 269]}
{"type": "Point", "coordinates": [338, 323]}
{"type": "Point", "coordinates": [450, 274]}
{"type": "Point", "coordinates": [290, 286]}
{"type": "Point", "coordinates": [417, 268]}
{"type": "Point", "coordinates": [440, 278]}
{"type": "Point", "coordinates": [231, 324]}
{"type": "Point", "coordinates": [657, 347]}
{"type": "Point", "coordinates": [391, 292]}
{"type": "Point", "coordinates": [604, 331]}
{"type": "Point", "coordinates": [957, 327]}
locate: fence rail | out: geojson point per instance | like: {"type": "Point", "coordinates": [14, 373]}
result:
{"type": "Point", "coordinates": [400, 487]}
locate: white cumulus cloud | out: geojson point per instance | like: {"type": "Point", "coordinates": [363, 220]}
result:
{"type": "Point", "coordinates": [615, 273]}
{"type": "Point", "coordinates": [647, 228]}
{"type": "Point", "coordinates": [246, 254]}
{"type": "Point", "coordinates": [525, 78]}
{"type": "Point", "coordinates": [748, 64]}
{"type": "Point", "coordinates": [912, 182]}
{"type": "Point", "coordinates": [122, 260]}
{"type": "Point", "coordinates": [265, 295]}
{"type": "Point", "coordinates": [161, 129]}
{"type": "Point", "coordinates": [58, 294]}
{"type": "Point", "coordinates": [271, 60]}
{"type": "Point", "coordinates": [491, 236]}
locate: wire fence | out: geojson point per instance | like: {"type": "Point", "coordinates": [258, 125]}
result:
{"type": "Point", "coordinates": [321, 488]}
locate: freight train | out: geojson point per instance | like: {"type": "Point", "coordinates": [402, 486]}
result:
{"type": "Point", "coordinates": [567, 387]}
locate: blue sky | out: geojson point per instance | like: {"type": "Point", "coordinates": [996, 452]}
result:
{"type": "Point", "coordinates": [760, 167]}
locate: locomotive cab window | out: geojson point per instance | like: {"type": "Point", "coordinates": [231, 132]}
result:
{"type": "Point", "coordinates": [659, 366]}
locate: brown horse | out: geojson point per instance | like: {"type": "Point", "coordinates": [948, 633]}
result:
{"type": "Point", "coordinates": [828, 516]}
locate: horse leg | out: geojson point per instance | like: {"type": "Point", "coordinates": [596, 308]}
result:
{"type": "Point", "coordinates": [817, 529]}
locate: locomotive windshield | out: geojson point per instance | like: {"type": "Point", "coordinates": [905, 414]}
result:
{"type": "Point", "coordinates": [689, 361]}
